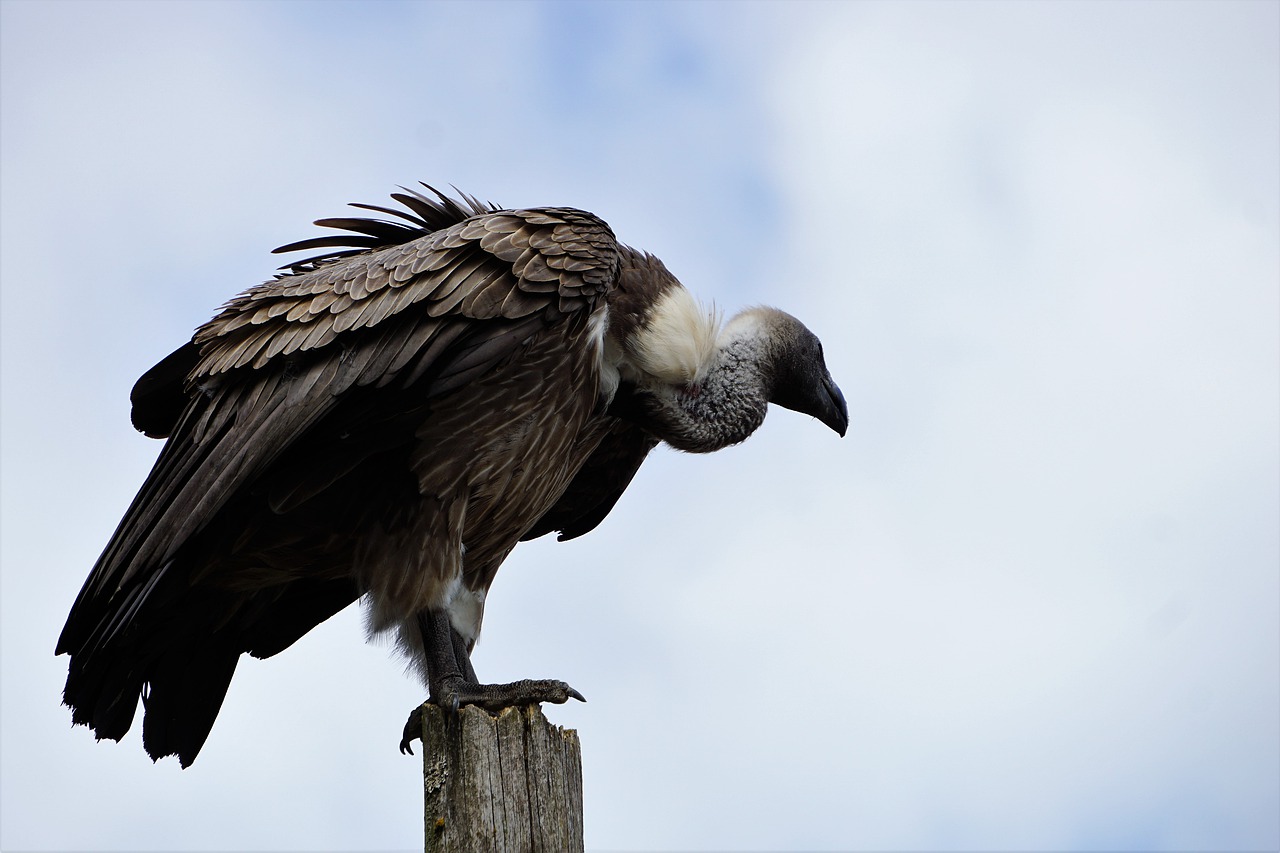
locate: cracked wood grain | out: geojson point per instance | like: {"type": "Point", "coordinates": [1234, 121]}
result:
{"type": "Point", "coordinates": [511, 782]}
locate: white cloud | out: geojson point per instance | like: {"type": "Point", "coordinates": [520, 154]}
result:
{"type": "Point", "coordinates": [1029, 602]}
{"type": "Point", "coordinates": [1076, 315]}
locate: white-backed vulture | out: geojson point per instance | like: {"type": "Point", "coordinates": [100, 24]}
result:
{"type": "Point", "coordinates": [388, 420]}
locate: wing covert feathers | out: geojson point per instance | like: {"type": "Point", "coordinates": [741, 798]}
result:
{"type": "Point", "coordinates": [507, 264]}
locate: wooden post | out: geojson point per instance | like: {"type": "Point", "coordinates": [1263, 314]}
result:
{"type": "Point", "coordinates": [507, 783]}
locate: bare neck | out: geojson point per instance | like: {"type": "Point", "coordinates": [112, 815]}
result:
{"type": "Point", "coordinates": [726, 407]}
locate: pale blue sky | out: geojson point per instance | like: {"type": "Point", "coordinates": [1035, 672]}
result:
{"type": "Point", "coordinates": [1031, 602]}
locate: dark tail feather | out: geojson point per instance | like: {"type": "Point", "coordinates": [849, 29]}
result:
{"type": "Point", "coordinates": [183, 698]}
{"type": "Point", "coordinates": [181, 693]}
{"type": "Point", "coordinates": [108, 710]}
{"type": "Point", "coordinates": [179, 654]}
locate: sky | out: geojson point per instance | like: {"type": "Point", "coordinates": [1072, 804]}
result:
{"type": "Point", "coordinates": [1030, 602]}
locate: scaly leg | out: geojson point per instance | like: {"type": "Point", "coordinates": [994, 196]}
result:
{"type": "Point", "coordinates": [452, 681]}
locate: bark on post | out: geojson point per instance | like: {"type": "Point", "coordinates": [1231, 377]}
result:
{"type": "Point", "coordinates": [506, 783]}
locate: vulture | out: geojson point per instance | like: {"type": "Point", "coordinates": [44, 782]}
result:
{"type": "Point", "coordinates": [387, 420]}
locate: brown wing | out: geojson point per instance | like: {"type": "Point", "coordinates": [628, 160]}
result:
{"type": "Point", "coordinates": [598, 484]}
{"type": "Point", "coordinates": [404, 315]}
{"type": "Point", "coordinates": [282, 373]}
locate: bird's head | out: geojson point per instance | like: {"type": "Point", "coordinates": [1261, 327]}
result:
{"type": "Point", "coordinates": [799, 379]}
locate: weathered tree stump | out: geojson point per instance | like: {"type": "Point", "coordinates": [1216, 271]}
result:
{"type": "Point", "coordinates": [507, 783]}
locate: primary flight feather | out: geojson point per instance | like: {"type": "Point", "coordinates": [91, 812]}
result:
{"type": "Point", "coordinates": [388, 420]}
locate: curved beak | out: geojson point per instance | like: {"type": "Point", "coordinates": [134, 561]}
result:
{"type": "Point", "coordinates": [833, 411]}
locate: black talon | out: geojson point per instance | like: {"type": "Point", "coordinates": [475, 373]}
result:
{"type": "Point", "coordinates": [412, 731]}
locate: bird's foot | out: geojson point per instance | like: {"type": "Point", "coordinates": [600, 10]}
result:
{"type": "Point", "coordinates": [454, 693]}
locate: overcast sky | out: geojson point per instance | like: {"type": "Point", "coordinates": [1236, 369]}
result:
{"type": "Point", "coordinates": [1031, 602]}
